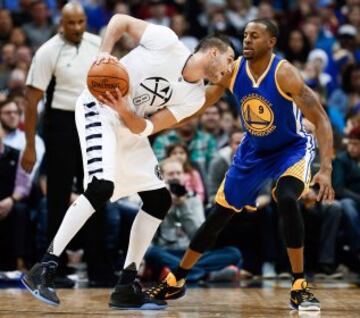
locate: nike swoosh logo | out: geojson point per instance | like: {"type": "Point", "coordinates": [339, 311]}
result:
{"type": "Point", "coordinates": [294, 300]}
{"type": "Point", "coordinates": [171, 294]}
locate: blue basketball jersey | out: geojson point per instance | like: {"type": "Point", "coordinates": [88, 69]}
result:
{"type": "Point", "coordinates": [269, 116]}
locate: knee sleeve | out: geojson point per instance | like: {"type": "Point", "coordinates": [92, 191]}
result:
{"type": "Point", "coordinates": [288, 190]}
{"type": "Point", "coordinates": [156, 202]}
{"type": "Point", "coordinates": [98, 192]}
{"type": "Point", "coordinates": [208, 232]}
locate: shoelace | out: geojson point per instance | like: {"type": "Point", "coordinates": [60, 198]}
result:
{"type": "Point", "coordinates": [305, 292]}
{"type": "Point", "coordinates": [155, 290]}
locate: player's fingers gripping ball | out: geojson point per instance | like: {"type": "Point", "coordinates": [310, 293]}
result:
{"type": "Point", "coordinates": [108, 76]}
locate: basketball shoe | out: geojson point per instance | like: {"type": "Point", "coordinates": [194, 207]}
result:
{"type": "Point", "coordinates": [168, 289]}
{"type": "Point", "coordinates": [301, 298]}
{"type": "Point", "coordinates": [40, 282]}
{"type": "Point", "coordinates": [128, 293]}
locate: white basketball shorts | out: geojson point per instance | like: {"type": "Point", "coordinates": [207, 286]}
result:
{"type": "Point", "coordinates": [111, 152]}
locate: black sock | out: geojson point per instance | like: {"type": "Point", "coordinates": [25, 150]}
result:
{"type": "Point", "coordinates": [128, 274]}
{"type": "Point", "coordinates": [50, 257]}
{"type": "Point", "coordinates": [181, 273]}
{"type": "Point", "coordinates": [298, 276]}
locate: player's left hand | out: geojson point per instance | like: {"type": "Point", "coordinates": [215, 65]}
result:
{"type": "Point", "coordinates": [326, 191]}
{"type": "Point", "coordinates": [118, 102]}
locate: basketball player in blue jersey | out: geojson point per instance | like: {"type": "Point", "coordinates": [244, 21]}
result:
{"type": "Point", "coordinates": [272, 99]}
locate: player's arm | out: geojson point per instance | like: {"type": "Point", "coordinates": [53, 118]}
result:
{"type": "Point", "coordinates": [291, 82]}
{"type": "Point", "coordinates": [32, 98]}
{"type": "Point", "coordinates": [118, 25]}
{"type": "Point", "coordinates": [212, 94]}
{"type": "Point", "coordinates": [159, 121]}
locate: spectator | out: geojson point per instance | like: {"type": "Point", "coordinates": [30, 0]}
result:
{"type": "Point", "coordinates": [179, 226]}
{"type": "Point", "coordinates": [297, 48]}
{"type": "Point", "coordinates": [14, 217]}
{"type": "Point", "coordinates": [221, 162]}
{"type": "Point", "coordinates": [6, 26]}
{"type": "Point", "coordinates": [202, 146]}
{"type": "Point", "coordinates": [345, 101]}
{"type": "Point", "coordinates": [8, 63]}
{"type": "Point", "coordinates": [210, 122]}
{"type": "Point", "coordinates": [10, 119]}
{"type": "Point", "coordinates": [39, 30]}
{"type": "Point", "coordinates": [180, 26]}
{"type": "Point", "coordinates": [228, 122]}
{"type": "Point", "coordinates": [192, 178]}
{"type": "Point", "coordinates": [18, 37]}
{"type": "Point", "coordinates": [240, 12]}
{"type": "Point", "coordinates": [346, 181]}
{"type": "Point", "coordinates": [158, 13]}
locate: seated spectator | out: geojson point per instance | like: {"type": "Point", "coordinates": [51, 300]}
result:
{"type": "Point", "coordinates": [297, 48]}
{"type": "Point", "coordinates": [6, 25]}
{"type": "Point", "coordinates": [345, 100]}
{"type": "Point", "coordinates": [192, 178]}
{"type": "Point", "coordinates": [10, 120]}
{"type": "Point", "coordinates": [221, 162]}
{"type": "Point", "coordinates": [179, 226]}
{"type": "Point", "coordinates": [18, 37]}
{"type": "Point", "coordinates": [202, 146]}
{"type": "Point", "coordinates": [210, 122]}
{"type": "Point", "coordinates": [39, 30]}
{"type": "Point", "coordinates": [228, 122]}
{"type": "Point", "coordinates": [15, 186]}
{"type": "Point", "coordinates": [8, 60]}
{"type": "Point", "coordinates": [180, 26]}
{"type": "Point", "coordinates": [322, 222]}
{"type": "Point", "coordinates": [346, 181]}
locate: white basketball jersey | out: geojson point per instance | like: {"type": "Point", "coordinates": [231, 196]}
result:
{"type": "Point", "coordinates": [155, 75]}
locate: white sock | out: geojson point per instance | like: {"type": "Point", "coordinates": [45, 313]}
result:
{"type": "Point", "coordinates": [75, 217]}
{"type": "Point", "coordinates": [141, 235]}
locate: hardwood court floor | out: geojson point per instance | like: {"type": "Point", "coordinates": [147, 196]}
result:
{"type": "Point", "coordinates": [199, 303]}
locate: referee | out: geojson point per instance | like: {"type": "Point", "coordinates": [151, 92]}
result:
{"type": "Point", "coordinates": [59, 70]}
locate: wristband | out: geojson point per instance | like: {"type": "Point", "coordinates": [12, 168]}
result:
{"type": "Point", "coordinates": [148, 129]}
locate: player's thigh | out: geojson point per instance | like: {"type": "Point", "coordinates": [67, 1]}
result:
{"type": "Point", "coordinates": [97, 135]}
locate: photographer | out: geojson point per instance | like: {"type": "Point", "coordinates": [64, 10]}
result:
{"type": "Point", "coordinates": [179, 226]}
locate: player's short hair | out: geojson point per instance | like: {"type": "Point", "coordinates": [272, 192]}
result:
{"type": "Point", "coordinates": [220, 41]}
{"type": "Point", "coordinates": [271, 26]}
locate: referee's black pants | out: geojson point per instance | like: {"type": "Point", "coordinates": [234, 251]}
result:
{"type": "Point", "coordinates": [64, 169]}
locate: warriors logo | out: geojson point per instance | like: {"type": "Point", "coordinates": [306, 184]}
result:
{"type": "Point", "coordinates": [257, 115]}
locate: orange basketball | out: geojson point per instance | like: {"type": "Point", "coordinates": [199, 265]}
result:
{"type": "Point", "coordinates": [107, 77]}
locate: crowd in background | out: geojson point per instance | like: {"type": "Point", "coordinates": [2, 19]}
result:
{"type": "Point", "coordinates": [322, 38]}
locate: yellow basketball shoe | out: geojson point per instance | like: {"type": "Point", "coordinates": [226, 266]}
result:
{"type": "Point", "coordinates": [301, 298]}
{"type": "Point", "coordinates": [168, 289]}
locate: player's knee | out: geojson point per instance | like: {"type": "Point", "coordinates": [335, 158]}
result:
{"type": "Point", "coordinates": [289, 190]}
{"type": "Point", "coordinates": [99, 192]}
{"type": "Point", "coordinates": [156, 202]}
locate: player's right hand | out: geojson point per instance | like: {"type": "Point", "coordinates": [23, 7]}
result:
{"type": "Point", "coordinates": [105, 57]}
{"type": "Point", "coordinates": [28, 158]}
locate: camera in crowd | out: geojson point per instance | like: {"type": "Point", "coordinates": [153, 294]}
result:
{"type": "Point", "coordinates": [176, 188]}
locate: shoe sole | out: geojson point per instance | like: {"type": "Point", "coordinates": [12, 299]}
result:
{"type": "Point", "coordinates": [300, 308]}
{"type": "Point", "coordinates": [36, 293]}
{"type": "Point", "coordinates": [143, 307]}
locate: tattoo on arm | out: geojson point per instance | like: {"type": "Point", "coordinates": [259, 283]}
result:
{"type": "Point", "coordinates": [306, 97]}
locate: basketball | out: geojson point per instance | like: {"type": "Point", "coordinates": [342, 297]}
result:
{"type": "Point", "coordinates": [104, 77]}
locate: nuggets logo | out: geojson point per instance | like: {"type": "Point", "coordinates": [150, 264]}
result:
{"type": "Point", "coordinates": [257, 115]}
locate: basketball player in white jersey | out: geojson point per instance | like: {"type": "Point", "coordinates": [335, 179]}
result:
{"type": "Point", "coordinates": [166, 86]}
